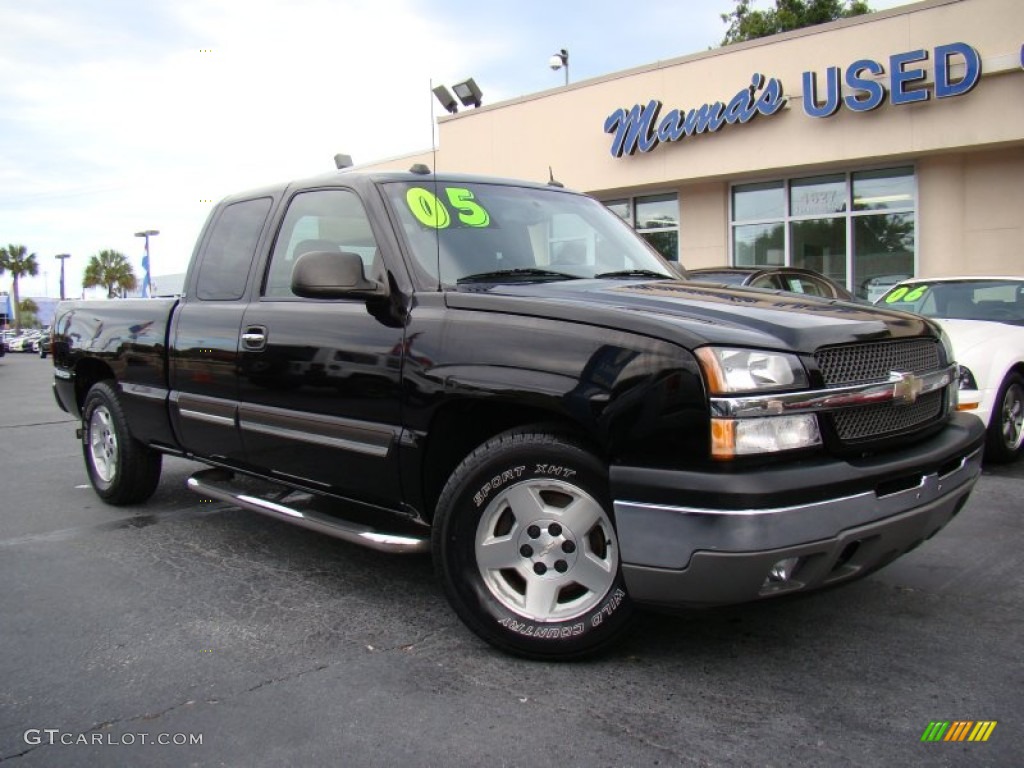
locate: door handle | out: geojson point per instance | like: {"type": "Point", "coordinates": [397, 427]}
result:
{"type": "Point", "coordinates": [254, 338]}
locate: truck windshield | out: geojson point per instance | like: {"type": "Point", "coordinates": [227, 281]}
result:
{"type": "Point", "coordinates": [484, 232]}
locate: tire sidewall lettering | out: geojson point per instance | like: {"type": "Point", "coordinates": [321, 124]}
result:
{"type": "Point", "coordinates": [500, 480]}
{"type": "Point", "coordinates": [519, 472]}
{"type": "Point", "coordinates": [608, 607]}
{"type": "Point", "coordinates": [543, 631]}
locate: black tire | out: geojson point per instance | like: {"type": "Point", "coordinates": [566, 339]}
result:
{"type": "Point", "coordinates": [1006, 423]}
{"type": "Point", "coordinates": [122, 470]}
{"type": "Point", "coordinates": [551, 586]}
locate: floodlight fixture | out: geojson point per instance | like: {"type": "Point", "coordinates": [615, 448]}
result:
{"type": "Point", "coordinates": [447, 100]}
{"type": "Point", "coordinates": [468, 92]}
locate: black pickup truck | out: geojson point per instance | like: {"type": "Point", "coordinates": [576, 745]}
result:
{"type": "Point", "coordinates": [503, 374]}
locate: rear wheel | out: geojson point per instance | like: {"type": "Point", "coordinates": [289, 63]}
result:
{"type": "Point", "coordinates": [1006, 424]}
{"type": "Point", "coordinates": [527, 550]}
{"type": "Point", "coordinates": [122, 470]}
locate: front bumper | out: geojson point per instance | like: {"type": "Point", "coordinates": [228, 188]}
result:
{"type": "Point", "coordinates": [840, 518]}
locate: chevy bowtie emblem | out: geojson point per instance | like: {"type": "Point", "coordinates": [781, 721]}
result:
{"type": "Point", "coordinates": [905, 387]}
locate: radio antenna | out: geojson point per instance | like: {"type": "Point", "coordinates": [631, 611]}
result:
{"type": "Point", "coordinates": [433, 156]}
{"type": "Point", "coordinates": [433, 132]}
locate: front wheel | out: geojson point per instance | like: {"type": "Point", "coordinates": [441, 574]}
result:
{"type": "Point", "coordinates": [527, 550]}
{"type": "Point", "coordinates": [1006, 424]}
{"type": "Point", "coordinates": [122, 470]}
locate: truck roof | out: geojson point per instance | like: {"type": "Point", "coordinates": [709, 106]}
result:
{"type": "Point", "coordinates": [360, 178]}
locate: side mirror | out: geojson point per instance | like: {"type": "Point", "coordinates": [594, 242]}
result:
{"type": "Point", "coordinates": [333, 275]}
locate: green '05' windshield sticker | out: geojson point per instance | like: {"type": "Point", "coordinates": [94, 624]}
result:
{"type": "Point", "coordinates": [430, 211]}
{"type": "Point", "coordinates": [906, 293]}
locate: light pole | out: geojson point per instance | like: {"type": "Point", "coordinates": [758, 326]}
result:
{"type": "Point", "coordinates": [146, 284]}
{"type": "Point", "coordinates": [62, 257]}
{"type": "Point", "coordinates": [560, 60]}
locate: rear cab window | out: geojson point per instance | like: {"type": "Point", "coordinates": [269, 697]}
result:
{"type": "Point", "coordinates": [230, 249]}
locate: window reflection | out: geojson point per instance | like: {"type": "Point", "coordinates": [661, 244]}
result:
{"type": "Point", "coordinates": [883, 248]}
{"type": "Point", "coordinates": [884, 190]}
{"type": "Point", "coordinates": [820, 244]}
{"type": "Point", "coordinates": [815, 196]}
{"type": "Point", "coordinates": [857, 228]}
{"type": "Point", "coordinates": [759, 245]}
{"type": "Point", "coordinates": [756, 202]}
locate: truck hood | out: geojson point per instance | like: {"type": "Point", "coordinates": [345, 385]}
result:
{"type": "Point", "coordinates": [693, 314]}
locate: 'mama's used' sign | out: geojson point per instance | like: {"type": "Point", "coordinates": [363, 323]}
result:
{"type": "Point", "coordinates": [865, 87]}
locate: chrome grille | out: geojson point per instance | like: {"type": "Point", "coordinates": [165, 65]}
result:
{"type": "Point", "coordinates": [861, 363]}
{"type": "Point", "coordinates": [857, 363]}
{"type": "Point", "coordinates": [886, 419]}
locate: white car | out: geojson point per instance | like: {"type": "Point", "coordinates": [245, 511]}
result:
{"type": "Point", "coordinates": [984, 319]}
{"type": "Point", "coordinates": [17, 343]}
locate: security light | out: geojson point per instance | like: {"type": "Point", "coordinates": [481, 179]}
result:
{"type": "Point", "coordinates": [559, 60]}
{"type": "Point", "coordinates": [447, 100]}
{"type": "Point", "coordinates": [468, 92]}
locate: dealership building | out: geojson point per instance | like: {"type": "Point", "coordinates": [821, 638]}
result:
{"type": "Point", "coordinates": [870, 149]}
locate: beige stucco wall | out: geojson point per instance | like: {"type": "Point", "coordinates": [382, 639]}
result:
{"type": "Point", "coordinates": [971, 213]}
{"type": "Point", "coordinates": [704, 224]}
{"type": "Point", "coordinates": [967, 148]}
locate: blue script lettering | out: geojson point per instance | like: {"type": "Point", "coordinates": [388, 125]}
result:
{"type": "Point", "coordinates": [633, 128]}
{"type": "Point", "coordinates": [639, 128]}
{"type": "Point", "coordinates": [831, 104]}
{"type": "Point", "coordinates": [900, 94]}
{"type": "Point", "coordinates": [872, 90]}
{"type": "Point", "coordinates": [866, 85]}
{"type": "Point", "coordinates": [944, 87]}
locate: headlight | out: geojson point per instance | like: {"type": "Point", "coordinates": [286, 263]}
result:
{"type": "Point", "coordinates": [729, 370]}
{"type": "Point", "coordinates": [966, 379]}
{"type": "Point", "coordinates": [746, 437]}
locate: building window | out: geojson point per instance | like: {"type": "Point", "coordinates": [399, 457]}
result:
{"type": "Point", "coordinates": [858, 228]}
{"type": "Point", "coordinates": [655, 218]}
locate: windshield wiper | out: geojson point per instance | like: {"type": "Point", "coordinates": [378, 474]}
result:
{"type": "Point", "coordinates": [484, 277]}
{"type": "Point", "coordinates": [634, 273]}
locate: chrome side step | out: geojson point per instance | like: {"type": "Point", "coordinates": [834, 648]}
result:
{"type": "Point", "coordinates": [215, 483]}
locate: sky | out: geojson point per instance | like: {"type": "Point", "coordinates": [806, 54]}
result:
{"type": "Point", "coordinates": [120, 116]}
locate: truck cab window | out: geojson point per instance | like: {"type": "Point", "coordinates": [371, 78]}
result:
{"type": "Point", "coordinates": [229, 251]}
{"type": "Point", "coordinates": [321, 220]}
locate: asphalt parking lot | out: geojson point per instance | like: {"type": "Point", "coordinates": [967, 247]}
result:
{"type": "Point", "coordinates": [185, 622]}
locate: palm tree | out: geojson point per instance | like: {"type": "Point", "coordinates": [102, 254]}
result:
{"type": "Point", "coordinates": [112, 270]}
{"type": "Point", "coordinates": [13, 259]}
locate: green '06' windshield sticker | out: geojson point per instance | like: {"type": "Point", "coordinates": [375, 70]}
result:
{"type": "Point", "coordinates": [431, 212]}
{"type": "Point", "coordinates": [906, 293]}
